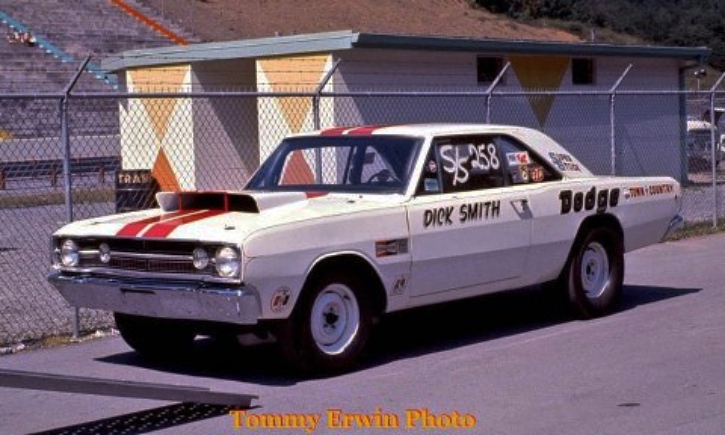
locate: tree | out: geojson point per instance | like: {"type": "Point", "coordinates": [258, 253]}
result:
{"type": "Point", "coordinates": [669, 22]}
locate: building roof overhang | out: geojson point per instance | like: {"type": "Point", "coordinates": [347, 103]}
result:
{"type": "Point", "coordinates": [347, 39]}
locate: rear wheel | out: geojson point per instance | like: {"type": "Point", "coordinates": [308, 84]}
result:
{"type": "Point", "coordinates": [595, 272]}
{"type": "Point", "coordinates": [330, 326]}
{"type": "Point", "coordinates": [155, 338]}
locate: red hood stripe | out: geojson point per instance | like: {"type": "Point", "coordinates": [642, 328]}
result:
{"type": "Point", "coordinates": [353, 131]}
{"type": "Point", "coordinates": [337, 131]}
{"type": "Point", "coordinates": [310, 195]}
{"type": "Point", "coordinates": [163, 229]}
{"type": "Point", "coordinates": [134, 228]}
{"type": "Point", "coordinates": [363, 131]}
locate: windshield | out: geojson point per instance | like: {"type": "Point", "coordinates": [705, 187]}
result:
{"type": "Point", "coordinates": [356, 164]}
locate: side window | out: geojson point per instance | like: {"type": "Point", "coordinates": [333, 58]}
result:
{"type": "Point", "coordinates": [469, 163]}
{"type": "Point", "coordinates": [430, 180]}
{"type": "Point", "coordinates": [522, 167]}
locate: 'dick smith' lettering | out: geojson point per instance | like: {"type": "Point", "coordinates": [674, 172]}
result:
{"type": "Point", "coordinates": [469, 212]}
{"type": "Point", "coordinates": [479, 210]}
{"type": "Point", "coordinates": [438, 217]}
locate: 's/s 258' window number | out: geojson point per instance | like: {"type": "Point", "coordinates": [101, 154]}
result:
{"type": "Point", "coordinates": [482, 157]}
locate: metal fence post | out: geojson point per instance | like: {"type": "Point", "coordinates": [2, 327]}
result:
{"type": "Point", "coordinates": [318, 94]}
{"type": "Point", "coordinates": [316, 115]}
{"type": "Point", "coordinates": [613, 120]}
{"type": "Point", "coordinates": [67, 178]}
{"type": "Point", "coordinates": [489, 90]}
{"type": "Point", "coordinates": [714, 148]}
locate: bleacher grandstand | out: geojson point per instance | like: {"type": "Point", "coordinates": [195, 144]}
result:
{"type": "Point", "coordinates": [65, 33]}
{"type": "Point", "coordinates": [68, 31]}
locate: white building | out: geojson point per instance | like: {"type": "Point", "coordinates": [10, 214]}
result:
{"type": "Point", "coordinates": [561, 88]}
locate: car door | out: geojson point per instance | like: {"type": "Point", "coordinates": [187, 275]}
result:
{"type": "Point", "coordinates": [470, 225]}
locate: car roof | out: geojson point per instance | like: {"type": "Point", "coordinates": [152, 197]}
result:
{"type": "Point", "coordinates": [419, 130]}
{"type": "Point", "coordinates": [540, 142]}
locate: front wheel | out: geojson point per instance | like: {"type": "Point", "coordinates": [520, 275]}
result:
{"type": "Point", "coordinates": [595, 272]}
{"type": "Point", "coordinates": [154, 338]}
{"type": "Point", "coordinates": [330, 326]}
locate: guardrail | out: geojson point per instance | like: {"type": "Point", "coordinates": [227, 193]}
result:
{"type": "Point", "coordinates": [50, 169]}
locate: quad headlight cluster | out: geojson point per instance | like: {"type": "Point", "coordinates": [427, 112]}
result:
{"type": "Point", "coordinates": [69, 253]}
{"type": "Point", "coordinates": [225, 261]}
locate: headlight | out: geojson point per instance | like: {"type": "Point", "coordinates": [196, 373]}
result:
{"type": "Point", "coordinates": [201, 258]}
{"type": "Point", "coordinates": [69, 253]}
{"type": "Point", "coordinates": [104, 253]}
{"type": "Point", "coordinates": [227, 262]}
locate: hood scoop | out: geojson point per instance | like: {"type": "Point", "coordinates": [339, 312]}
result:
{"type": "Point", "coordinates": [245, 202]}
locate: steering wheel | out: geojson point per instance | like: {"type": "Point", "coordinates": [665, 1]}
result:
{"type": "Point", "coordinates": [383, 176]}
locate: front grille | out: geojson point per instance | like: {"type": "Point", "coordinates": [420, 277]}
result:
{"type": "Point", "coordinates": [156, 266]}
{"type": "Point", "coordinates": [146, 256]}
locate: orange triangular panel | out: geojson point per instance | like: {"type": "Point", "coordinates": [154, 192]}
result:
{"type": "Point", "coordinates": [164, 174]}
{"type": "Point", "coordinates": [298, 171]}
{"type": "Point", "coordinates": [540, 73]}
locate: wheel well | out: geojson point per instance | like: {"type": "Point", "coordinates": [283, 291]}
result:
{"type": "Point", "coordinates": [360, 268]}
{"type": "Point", "coordinates": [597, 221]}
{"type": "Point", "coordinates": [588, 224]}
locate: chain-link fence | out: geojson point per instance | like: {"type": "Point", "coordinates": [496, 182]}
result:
{"type": "Point", "coordinates": [61, 157]}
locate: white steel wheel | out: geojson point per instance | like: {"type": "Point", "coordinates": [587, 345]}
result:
{"type": "Point", "coordinates": [331, 323]}
{"type": "Point", "coordinates": [595, 272]}
{"type": "Point", "coordinates": [334, 319]}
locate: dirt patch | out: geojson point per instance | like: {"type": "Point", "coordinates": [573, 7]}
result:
{"type": "Point", "coordinates": [224, 20]}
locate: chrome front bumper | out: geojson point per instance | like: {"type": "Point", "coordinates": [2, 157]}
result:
{"type": "Point", "coordinates": [161, 299]}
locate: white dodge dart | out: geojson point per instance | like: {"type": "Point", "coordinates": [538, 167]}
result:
{"type": "Point", "coordinates": [341, 226]}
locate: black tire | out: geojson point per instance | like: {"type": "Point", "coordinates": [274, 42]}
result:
{"type": "Point", "coordinates": [154, 338]}
{"type": "Point", "coordinates": [594, 273]}
{"type": "Point", "coordinates": [330, 326]}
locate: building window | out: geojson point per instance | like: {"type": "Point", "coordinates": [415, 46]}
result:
{"type": "Point", "coordinates": [488, 68]}
{"type": "Point", "coordinates": [582, 71]}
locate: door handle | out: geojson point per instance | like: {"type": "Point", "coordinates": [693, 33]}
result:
{"type": "Point", "coordinates": [524, 202]}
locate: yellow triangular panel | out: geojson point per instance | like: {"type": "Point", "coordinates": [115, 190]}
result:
{"type": "Point", "coordinates": [167, 79]}
{"type": "Point", "coordinates": [301, 74]}
{"type": "Point", "coordinates": [540, 73]}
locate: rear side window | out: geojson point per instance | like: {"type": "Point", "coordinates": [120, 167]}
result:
{"type": "Point", "coordinates": [522, 166]}
{"type": "Point", "coordinates": [466, 163]}
{"type": "Point", "coordinates": [470, 163]}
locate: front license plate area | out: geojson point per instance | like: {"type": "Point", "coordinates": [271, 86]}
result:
{"type": "Point", "coordinates": [139, 301]}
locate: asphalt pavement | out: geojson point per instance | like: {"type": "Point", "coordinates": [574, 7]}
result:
{"type": "Point", "coordinates": [513, 363]}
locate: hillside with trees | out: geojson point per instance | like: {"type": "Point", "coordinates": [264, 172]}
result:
{"type": "Point", "coordinates": [225, 20]}
{"type": "Point", "coordinates": [662, 22]}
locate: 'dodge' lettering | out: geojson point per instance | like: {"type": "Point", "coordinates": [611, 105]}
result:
{"type": "Point", "coordinates": [578, 201]}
